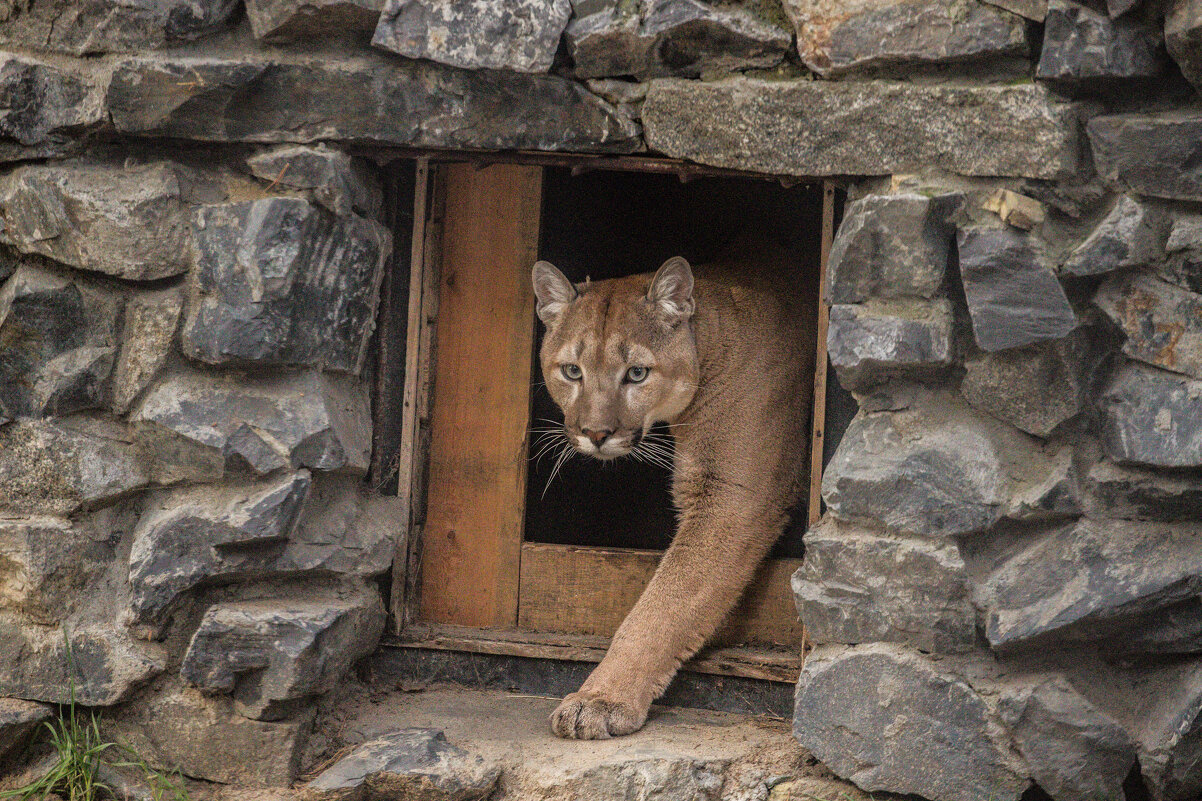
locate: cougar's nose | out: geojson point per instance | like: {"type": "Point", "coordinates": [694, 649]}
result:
{"type": "Point", "coordinates": [596, 437]}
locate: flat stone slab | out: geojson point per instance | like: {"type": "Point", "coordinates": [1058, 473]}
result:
{"type": "Point", "coordinates": [1151, 154]}
{"type": "Point", "coordinates": [83, 27]}
{"type": "Point", "coordinates": [1153, 417]}
{"type": "Point", "coordinates": [364, 98]}
{"type": "Point", "coordinates": [818, 128]}
{"type": "Point", "coordinates": [1162, 322]}
{"type": "Point", "coordinates": [43, 108]}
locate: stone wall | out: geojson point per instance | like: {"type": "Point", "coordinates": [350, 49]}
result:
{"type": "Point", "coordinates": [1004, 588]}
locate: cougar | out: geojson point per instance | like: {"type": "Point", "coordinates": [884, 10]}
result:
{"type": "Point", "coordinates": [725, 358]}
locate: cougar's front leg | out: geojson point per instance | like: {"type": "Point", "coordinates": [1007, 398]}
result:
{"type": "Point", "coordinates": [712, 558]}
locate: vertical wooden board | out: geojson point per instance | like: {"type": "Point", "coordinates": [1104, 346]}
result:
{"type": "Point", "coordinates": [480, 402]}
{"type": "Point", "coordinates": [818, 424]}
{"type": "Point", "coordinates": [576, 590]}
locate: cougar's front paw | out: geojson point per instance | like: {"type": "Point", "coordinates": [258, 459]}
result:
{"type": "Point", "coordinates": [594, 716]}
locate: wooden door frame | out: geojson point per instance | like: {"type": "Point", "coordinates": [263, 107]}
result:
{"type": "Point", "coordinates": [421, 358]}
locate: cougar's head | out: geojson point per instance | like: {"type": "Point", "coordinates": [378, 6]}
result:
{"type": "Point", "coordinates": [619, 355]}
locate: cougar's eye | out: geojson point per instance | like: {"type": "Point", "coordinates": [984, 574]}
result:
{"type": "Point", "coordinates": [572, 372]}
{"type": "Point", "coordinates": [636, 375]}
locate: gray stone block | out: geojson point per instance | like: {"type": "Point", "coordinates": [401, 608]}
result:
{"type": "Point", "coordinates": [1162, 322]}
{"type": "Point", "coordinates": [815, 128]}
{"type": "Point", "coordinates": [1081, 582]}
{"type": "Point", "coordinates": [45, 564]}
{"type": "Point", "coordinates": [1152, 154]}
{"type": "Point", "coordinates": [1153, 417]}
{"type": "Point", "coordinates": [1013, 298]}
{"type": "Point", "coordinates": [410, 763]}
{"type": "Point", "coordinates": [1085, 50]}
{"type": "Point", "coordinates": [521, 36]}
{"type": "Point", "coordinates": [341, 183]}
{"type": "Point", "coordinates": [282, 281]}
{"type": "Point", "coordinates": [44, 110]}
{"type": "Point", "coordinates": [204, 738]}
{"type": "Point", "coordinates": [1075, 751]}
{"type": "Point", "coordinates": [892, 720]}
{"type": "Point", "coordinates": [1133, 234]}
{"type": "Point", "coordinates": [1038, 387]}
{"type": "Point", "coordinates": [362, 97]}
{"type": "Point", "coordinates": [18, 721]}
{"type": "Point", "coordinates": [148, 335]}
{"type": "Point", "coordinates": [83, 27]}
{"type": "Point", "coordinates": [103, 663]}
{"type": "Point", "coordinates": [891, 246]}
{"type": "Point", "coordinates": [1183, 37]}
{"type": "Point", "coordinates": [861, 585]}
{"type": "Point", "coordinates": [59, 467]}
{"type": "Point", "coordinates": [256, 425]}
{"type": "Point", "coordinates": [125, 221]}
{"type": "Point", "coordinates": [278, 527]}
{"type": "Point", "coordinates": [662, 38]}
{"type": "Point", "coordinates": [837, 37]}
{"type": "Point", "coordinates": [935, 468]}
{"type": "Point", "coordinates": [1183, 266]}
{"type": "Point", "coordinates": [312, 20]}
{"type": "Point", "coordinates": [872, 342]}
{"type": "Point", "coordinates": [274, 655]}
{"type": "Point", "coordinates": [1132, 493]}
{"type": "Point", "coordinates": [59, 341]}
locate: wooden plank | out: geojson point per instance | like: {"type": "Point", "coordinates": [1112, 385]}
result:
{"type": "Point", "coordinates": [577, 590]}
{"type": "Point", "coordinates": [818, 425]}
{"type": "Point", "coordinates": [481, 396]}
{"type": "Point", "coordinates": [754, 663]}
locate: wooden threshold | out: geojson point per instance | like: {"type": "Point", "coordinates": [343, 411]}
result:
{"type": "Point", "coordinates": [752, 663]}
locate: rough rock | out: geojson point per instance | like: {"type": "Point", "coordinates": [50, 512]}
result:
{"type": "Point", "coordinates": [18, 721]}
{"type": "Point", "coordinates": [836, 37]}
{"type": "Point", "coordinates": [1183, 266]}
{"type": "Point", "coordinates": [685, 38]}
{"type": "Point", "coordinates": [1016, 209]}
{"type": "Point", "coordinates": [520, 36]}
{"type": "Point", "coordinates": [410, 763]}
{"type": "Point", "coordinates": [1075, 751]}
{"type": "Point", "coordinates": [814, 128]}
{"type": "Point", "coordinates": [103, 663]}
{"type": "Point", "coordinates": [339, 182]}
{"type": "Point", "coordinates": [226, 534]}
{"type": "Point", "coordinates": [1057, 494]}
{"type": "Point", "coordinates": [890, 719]}
{"type": "Point", "coordinates": [935, 468]}
{"type": "Point", "coordinates": [1153, 417]}
{"type": "Point", "coordinates": [1183, 37]}
{"type": "Point", "coordinates": [361, 97]}
{"type": "Point", "coordinates": [81, 27]}
{"type": "Point", "coordinates": [205, 739]}
{"type": "Point", "coordinates": [125, 221]}
{"type": "Point", "coordinates": [861, 585]}
{"type": "Point", "coordinates": [273, 655]}
{"type": "Point", "coordinates": [58, 467]}
{"type": "Point", "coordinates": [1013, 298]}
{"type": "Point", "coordinates": [45, 564]}
{"type": "Point", "coordinates": [1081, 581]}
{"type": "Point", "coordinates": [1133, 234]}
{"type": "Point", "coordinates": [288, 21]}
{"type": "Point", "coordinates": [282, 281]}
{"type": "Point", "coordinates": [262, 424]}
{"type": "Point", "coordinates": [1132, 493]}
{"type": "Point", "coordinates": [881, 339]}
{"type": "Point", "coordinates": [59, 339]}
{"type": "Point", "coordinates": [44, 110]}
{"type": "Point", "coordinates": [1035, 388]}
{"type": "Point", "coordinates": [891, 246]}
{"type": "Point", "coordinates": [1083, 49]}
{"type": "Point", "coordinates": [151, 320]}
{"type": "Point", "coordinates": [1152, 154]}
{"type": "Point", "coordinates": [1163, 322]}
{"type": "Point", "coordinates": [1036, 10]}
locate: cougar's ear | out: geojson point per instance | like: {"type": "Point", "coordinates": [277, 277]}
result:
{"type": "Point", "coordinates": [553, 290]}
{"type": "Point", "coordinates": [671, 290]}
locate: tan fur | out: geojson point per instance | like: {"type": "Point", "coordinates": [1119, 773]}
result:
{"type": "Point", "coordinates": [733, 381]}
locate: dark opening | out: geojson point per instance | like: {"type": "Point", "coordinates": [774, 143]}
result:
{"type": "Point", "coordinates": [609, 224]}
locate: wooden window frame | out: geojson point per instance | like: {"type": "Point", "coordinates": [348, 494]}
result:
{"type": "Point", "coordinates": [499, 624]}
